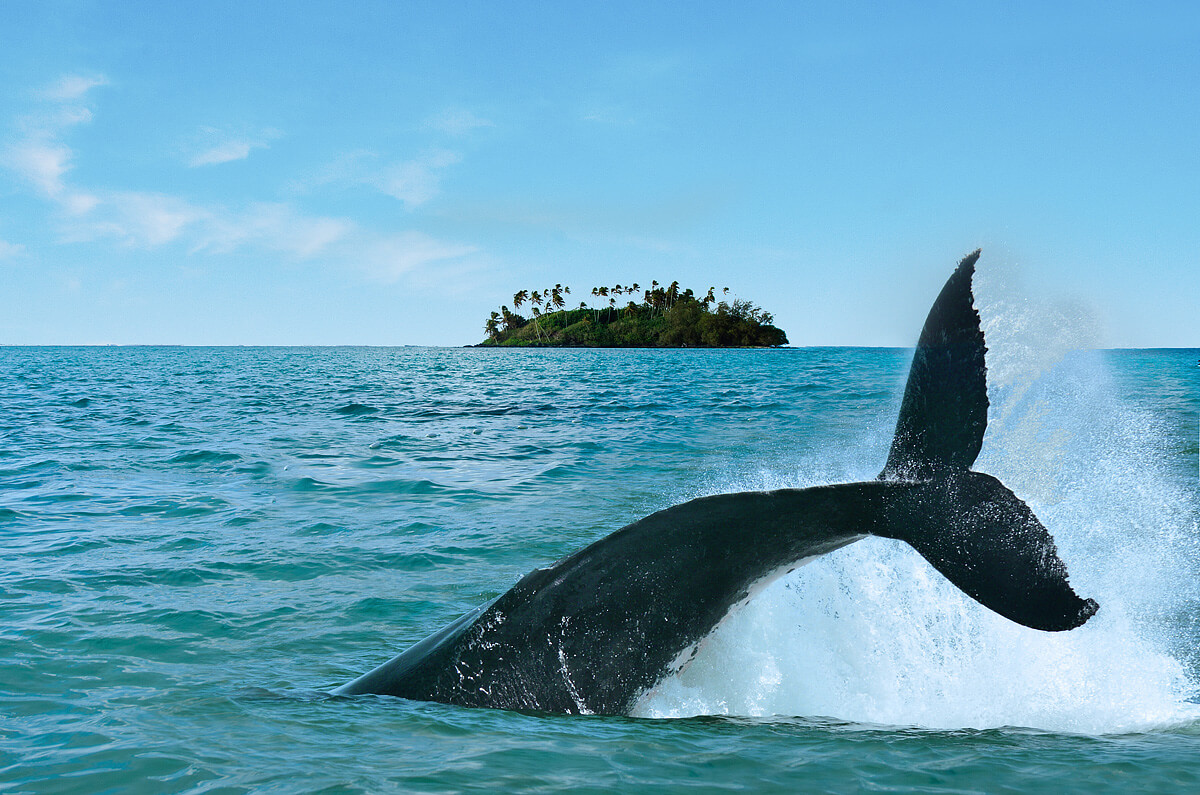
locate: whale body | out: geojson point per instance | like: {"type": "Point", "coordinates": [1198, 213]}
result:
{"type": "Point", "coordinates": [596, 630]}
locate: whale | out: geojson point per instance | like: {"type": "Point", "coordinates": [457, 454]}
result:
{"type": "Point", "coordinates": [594, 632]}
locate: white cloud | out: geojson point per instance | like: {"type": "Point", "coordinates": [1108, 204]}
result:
{"type": "Point", "coordinates": [71, 87]}
{"type": "Point", "coordinates": [77, 203]}
{"type": "Point", "coordinates": [42, 159]}
{"type": "Point", "coordinates": [9, 250]}
{"type": "Point", "coordinates": [219, 147]}
{"type": "Point", "coordinates": [152, 219]}
{"type": "Point", "coordinates": [416, 181]}
{"type": "Point", "coordinates": [390, 258]}
{"type": "Point", "coordinates": [39, 156]}
{"type": "Point", "coordinates": [223, 153]}
{"type": "Point", "coordinates": [456, 122]}
{"type": "Point", "coordinates": [614, 115]}
{"type": "Point", "coordinates": [40, 163]}
{"type": "Point", "coordinates": [132, 218]}
{"type": "Point", "coordinates": [274, 226]}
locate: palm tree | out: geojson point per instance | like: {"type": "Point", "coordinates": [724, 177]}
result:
{"type": "Point", "coordinates": [537, 313]}
{"type": "Point", "coordinates": [519, 298]}
{"type": "Point", "coordinates": [672, 294]}
{"type": "Point", "coordinates": [492, 326]}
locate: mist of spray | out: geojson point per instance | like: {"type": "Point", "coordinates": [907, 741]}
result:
{"type": "Point", "coordinates": [873, 634]}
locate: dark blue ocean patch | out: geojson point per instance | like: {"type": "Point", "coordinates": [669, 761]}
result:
{"type": "Point", "coordinates": [400, 486]}
{"type": "Point", "coordinates": [76, 546]}
{"type": "Point", "coordinates": [374, 608]}
{"type": "Point", "coordinates": [379, 462]}
{"type": "Point", "coordinates": [311, 484]}
{"type": "Point", "coordinates": [203, 457]}
{"type": "Point", "coordinates": [293, 571]}
{"type": "Point", "coordinates": [399, 442]}
{"type": "Point", "coordinates": [83, 466]}
{"type": "Point", "coordinates": [134, 421]}
{"type": "Point", "coordinates": [556, 473]}
{"type": "Point", "coordinates": [175, 576]}
{"type": "Point", "coordinates": [416, 528]}
{"type": "Point", "coordinates": [423, 561]}
{"type": "Point", "coordinates": [356, 410]}
{"type": "Point", "coordinates": [83, 402]}
{"type": "Point", "coordinates": [182, 544]}
{"type": "Point", "coordinates": [321, 529]}
{"type": "Point", "coordinates": [41, 585]}
{"type": "Point", "coordinates": [173, 509]}
{"type": "Point", "coordinates": [208, 623]}
{"type": "Point", "coordinates": [254, 468]}
{"type": "Point", "coordinates": [395, 486]}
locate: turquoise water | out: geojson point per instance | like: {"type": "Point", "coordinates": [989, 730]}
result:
{"type": "Point", "coordinates": [198, 544]}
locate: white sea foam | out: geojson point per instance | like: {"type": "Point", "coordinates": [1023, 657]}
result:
{"type": "Point", "coordinates": [872, 633]}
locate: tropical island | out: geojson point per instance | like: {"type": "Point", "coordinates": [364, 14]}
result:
{"type": "Point", "coordinates": [665, 317]}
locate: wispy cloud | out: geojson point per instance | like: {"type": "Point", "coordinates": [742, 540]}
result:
{"type": "Point", "coordinates": [224, 153]}
{"type": "Point", "coordinates": [275, 226]}
{"type": "Point", "coordinates": [148, 220]}
{"type": "Point", "coordinates": [390, 258]}
{"type": "Point", "coordinates": [218, 147]}
{"type": "Point", "coordinates": [629, 90]}
{"type": "Point", "coordinates": [456, 122]}
{"type": "Point", "coordinates": [40, 156]}
{"type": "Point", "coordinates": [414, 182]}
{"type": "Point", "coordinates": [610, 114]}
{"type": "Point", "coordinates": [72, 87]}
{"type": "Point", "coordinates": [40, 163]}
{"type": "Point", "coordinates": [10, 250]}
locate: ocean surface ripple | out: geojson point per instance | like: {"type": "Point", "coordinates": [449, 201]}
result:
{"type": "Point", "coordinates": [200, 543]}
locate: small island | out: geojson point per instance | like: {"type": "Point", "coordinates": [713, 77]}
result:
{"type": "Point", "coordinates": [665, 317]}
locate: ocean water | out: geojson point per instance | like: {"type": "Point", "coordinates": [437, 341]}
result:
{"type": "Point", "coordinates": [198, 544]}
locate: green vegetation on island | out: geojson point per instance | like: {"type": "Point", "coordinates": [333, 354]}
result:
{"type": "Point", "coordinates": [666, 317]}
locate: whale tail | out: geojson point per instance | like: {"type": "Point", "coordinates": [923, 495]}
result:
{"type": "Point", "coordinates": [968, 525]}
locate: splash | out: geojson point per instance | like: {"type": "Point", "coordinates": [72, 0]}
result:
{"type": "Point", "coordinates": [873, 634]}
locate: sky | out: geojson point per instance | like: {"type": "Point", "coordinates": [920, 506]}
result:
{"type": "Point", "coordinates": [300, 173]}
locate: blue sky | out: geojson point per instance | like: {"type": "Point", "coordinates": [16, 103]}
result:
{"type": "Point", "coordinates": [388, 173]}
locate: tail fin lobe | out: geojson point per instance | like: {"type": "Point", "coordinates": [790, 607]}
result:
{"type": "Point", "coordinates": [988, 542]}
{"type": "Point", "coordinates": [944, 411]}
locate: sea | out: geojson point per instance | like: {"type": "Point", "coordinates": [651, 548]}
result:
{"type": "Point", "coordinates": [199, 544]}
